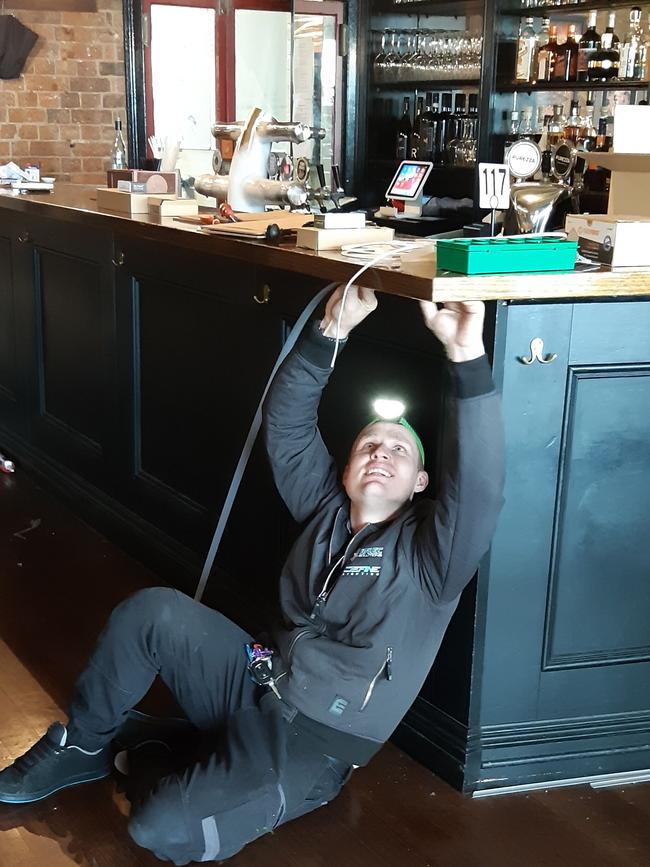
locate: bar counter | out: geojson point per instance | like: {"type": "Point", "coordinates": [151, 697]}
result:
{"type": "Point", "coordinates": [133, 356]}
{"type": "Point", "coordinates": [70, 203]}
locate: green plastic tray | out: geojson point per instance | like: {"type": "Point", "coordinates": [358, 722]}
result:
{"type": "Point", "coordinates": [505, 255]}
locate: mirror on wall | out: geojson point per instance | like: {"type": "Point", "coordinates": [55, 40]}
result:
{"type": "Point", "coordinates": [206, 60]}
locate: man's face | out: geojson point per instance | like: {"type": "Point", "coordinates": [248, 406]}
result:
{"type": "Point", "coordinates": [384, 466]}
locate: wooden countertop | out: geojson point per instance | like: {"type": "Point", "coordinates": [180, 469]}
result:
{"type": "Point", "coordinates": [414, 279]}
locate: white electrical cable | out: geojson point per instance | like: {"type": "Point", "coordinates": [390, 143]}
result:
{"type": "Point", "coordinates": [395, 248]}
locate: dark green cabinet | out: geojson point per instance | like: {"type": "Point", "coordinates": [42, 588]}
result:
{"type": "Point", "coordinates": [557, 688]}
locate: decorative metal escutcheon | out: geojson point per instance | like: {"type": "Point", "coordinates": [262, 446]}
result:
{"type": "Point", "coordinates": [119, 261]}
{"type": "Point", "coordinates": [266, 295]}
{"type": "Point", "coordinates": [537, 353]}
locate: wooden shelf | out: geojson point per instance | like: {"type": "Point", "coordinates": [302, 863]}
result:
{"type": "Point", "coordinates": [569, 9]}
{"type": "Point", "coordinates": [441, 84]}
{"type": "Point", "coordinates": [525, 87]}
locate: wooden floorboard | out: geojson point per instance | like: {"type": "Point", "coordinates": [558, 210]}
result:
{"type": "Point", "coordinates": [58, 583]}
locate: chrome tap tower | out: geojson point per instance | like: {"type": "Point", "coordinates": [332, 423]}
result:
{"type": "Point", "coordinates": [247, 186]}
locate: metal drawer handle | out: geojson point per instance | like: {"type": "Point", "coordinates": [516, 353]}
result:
{"type": "Point", "coordinates": [266, 295]}
{"type": "Point", "coordinates": [537, 353]}
{"type": "Point", "coordinates": [24, 238]}
{"type": "Point", "coordinates": [119, 261]}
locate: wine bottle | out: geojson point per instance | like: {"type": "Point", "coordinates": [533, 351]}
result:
{"type": "Point", "coordinates": [588, 45]}
{"type": "Point", "coordinates": [415, 140]}
{"type": "Point", "coordinates": [546, 56]}
{"type": "Point", "coordinates": [404, 132]}
{"type": "Point", "coordinates": [118, 154]}
{"type": "Point", "coordinates": [566, 61]}
{"type": "Point", "coordinates": [603, 64]}
{"type": "Point", "coordinates": [428, 127]}
{"type": "Point", "coordinates": [631, 60]}
{"type": "Point", "coordinates": [526, 51]}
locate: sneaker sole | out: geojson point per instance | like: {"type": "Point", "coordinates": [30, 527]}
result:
{"type": "Point", "coordinates": [40, 796]}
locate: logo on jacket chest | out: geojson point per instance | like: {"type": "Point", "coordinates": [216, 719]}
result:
{"type": "Point", "coordinates": [372, 569]}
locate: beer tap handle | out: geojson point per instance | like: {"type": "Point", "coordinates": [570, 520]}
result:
{"type": "Point", "coordinates": [321, 175]}
{"type": "Point", "coordinates": [336, 179]}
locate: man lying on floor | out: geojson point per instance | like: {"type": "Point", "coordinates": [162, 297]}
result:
{"type": "Point", "coordinates": [366, 595]}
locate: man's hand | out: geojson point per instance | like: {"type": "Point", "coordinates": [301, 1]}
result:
{"type": "Point", "coordinates": [359, 303]}
{"type": "Point", "coordinates": [458, 326]}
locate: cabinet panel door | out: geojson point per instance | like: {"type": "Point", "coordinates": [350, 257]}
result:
{"type": "Point", "coordinates": [596, 657]}
{"type": "Point", "coordinates": [9, 390]}
{"type": "Point", "coordinates": [533, 400]}
{"type": "Point", "coordinates": [72, 380]}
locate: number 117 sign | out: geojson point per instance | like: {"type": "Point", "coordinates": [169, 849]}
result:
{"type": "Point", "coordinates": [494, 183]}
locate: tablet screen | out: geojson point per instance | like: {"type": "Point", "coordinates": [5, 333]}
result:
{"type": "Point", "coordinates": [409, 180]}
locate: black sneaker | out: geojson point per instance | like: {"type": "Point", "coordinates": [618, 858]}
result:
{"type": "Point", "coordinates": [51, 765]}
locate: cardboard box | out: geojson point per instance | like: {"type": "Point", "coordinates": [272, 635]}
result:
{"type": "Point", "coordinates": [124, 203]}
{"type": "Point", "coordinates": [611, 239]}
{"type": "Point", "coordinates": [629, 191]}
{"type": "Point", "coordinates": [162, 207]}
{"type": "Point", "coordinates": [631, 129]}
{"type": "Point", "coordinates": [334, 239]}
{"type": "Point", "coordinates": [156, 183]}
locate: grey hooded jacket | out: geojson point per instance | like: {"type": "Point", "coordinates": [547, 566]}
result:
{"type": "Point", "coordinates": [364, 614]}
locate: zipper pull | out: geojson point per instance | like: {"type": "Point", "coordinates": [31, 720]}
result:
{"type": "Point", "coordinates": [317, 605]}
{"type": "Point", "coordinates": [389, 663]}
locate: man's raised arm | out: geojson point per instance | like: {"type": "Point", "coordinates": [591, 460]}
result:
{"type": "Point", "coordinates": [303, 469]}
{"type": "Point", "coordinates": [451, 542]}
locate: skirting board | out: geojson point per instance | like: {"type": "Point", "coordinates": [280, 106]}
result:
{"type": "Point", "coordinates": [596, 781]}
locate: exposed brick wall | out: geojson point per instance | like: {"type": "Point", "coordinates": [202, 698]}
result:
{"type": "Point", "coordinates": [60, 112]}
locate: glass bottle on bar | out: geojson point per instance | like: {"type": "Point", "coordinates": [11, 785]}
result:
{"type": "Point", "coordinates": [588, 133]}
{"type": "Point", "coordinates": [631, 51]}
{"type": "Point", "coordinates": [526, 51]}
{"type": "Point", "coordinates": [556, 124]}
{"type": "Point", "coordinates": [588, 45]}
{"type": "Point", "coordinates": [546, 56]}
{"type": "Point", "coordinates": [603, 64]}
{"type": "Point", "coordinates": [459, 115]}
{"type": "Point", "coordinates": [527, 127]}
{"type": "Point", "coordinates": [415, 138]}
{"type": "Point", "coordinates": [573, 125]}
{"type": "Point", "coordinates": [566, 61]}
{"type": "Point", "coordinates": [428, 127]}
{"type": "Point", "coordinates": [118, 154]}
{"type": "Point", "coordinates": [603, 139]}
{"type": "Point", "coordinates": [404, 132]}
{"type": "Point", "coordinates": [513, 132]}
{"type": "Point", "coordinates": [442, 132]}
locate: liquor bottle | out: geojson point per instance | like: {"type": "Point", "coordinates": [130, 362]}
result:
{"type": "Point", "coordinates": [588, 134]}
{"type": "Point", "coordinates": [555, 128]}
{"type": "Point", "coordinates": [546, 56]}
{"type": "Point", "coordinates": [442, 133]}
{"type": "Point", "coordinates": [566, 61]}
{"type": "Point", "coordinates": [574, 123]}
{"type": "Point", "coordinates": [415, 138]}
{"type": "Point", "coordinates": [428, 127]}
{"type": "Point", "coordinates": [632, 61]}
{"type": "Point", "coordinates": [118, 154]}
{"type": "Point", "coordinates": [603, 64]}
{"type": "Point", "coordinates": [526, 51]}
{"type": "Point", "coordinates": [472, 109]}
{"type": "Point", "coordinates": [588, 45]}
{"type": "Point", "coordinates": [513, 132]}
{"type": "Point", "coordinates": [457, 118]}
{"type": "Point", "coordinates": [603, 140]}
{"type": "Point", "coordinates": [404, 132]}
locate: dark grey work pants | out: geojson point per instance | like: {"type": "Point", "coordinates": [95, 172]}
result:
{"type": "Point", "coordinates": [259, 771]}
